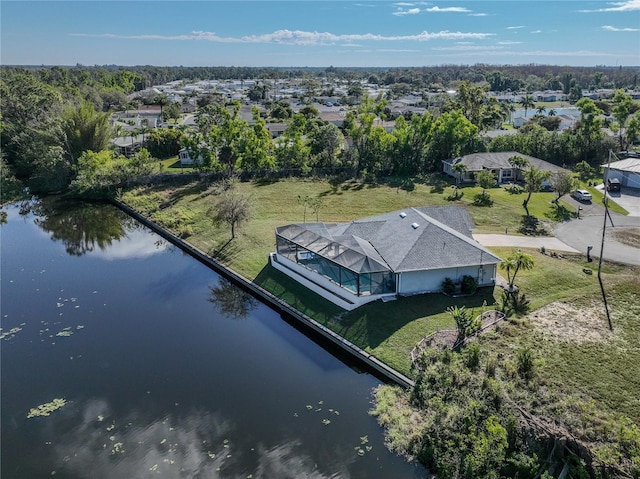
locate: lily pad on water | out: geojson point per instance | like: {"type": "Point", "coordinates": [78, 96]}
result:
{"type": "Point", "coordinates": [47, 408]}
{"type": "Point", "coordinates": [9, 333]}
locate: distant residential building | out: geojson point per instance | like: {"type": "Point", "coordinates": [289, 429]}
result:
{"type": "Point", "coordinates": [627, 171]}
{"type": "Point", "coordinates": [497, 163]}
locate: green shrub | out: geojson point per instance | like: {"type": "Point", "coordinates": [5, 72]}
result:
{"type": "Point", "coordinates": [448, 286]}
{"type": "Point", "coordinates": [469, 284]}
{"type": "Point", "coordinates": [526, 363]}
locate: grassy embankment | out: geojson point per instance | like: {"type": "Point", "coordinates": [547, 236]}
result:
{"type": "Point", "coordinates": [388, 330]}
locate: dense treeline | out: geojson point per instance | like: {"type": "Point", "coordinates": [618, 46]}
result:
{"type": "Point", "coordinates": [52, 117]}
{"type": "Point", "coordinates": [500, 77]}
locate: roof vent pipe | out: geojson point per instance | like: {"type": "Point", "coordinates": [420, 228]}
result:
{"type": "Point", "coordinates": [403, 214]}
{"type": "Point", "coordinates": [415, 226]}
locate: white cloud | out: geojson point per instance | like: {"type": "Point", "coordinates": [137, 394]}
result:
{"type": "Point", "coordinates": [463, 48]}
{"type": "Point", "coordinates": [628, 6]}
{"type": "Point", "coordinates": [609, 28]}
{"type": "Point", "coordinates": [396, 50]}
{"type": "Point", "coordinates": [536, 31]}
{"type": "Point", "coordinates": [508, 42]}
{"type": "Point", "coordinates": [296, 37]}
{"type": "Point", "coordinates": [404, 4]}
{"type": "Point", "coordinates": [516, 27]}
{"type": "Point", "coordinates": [478, 14]}
{"type": "Point", "coordinates": [411, 11]}
{"type": "Point", "coordinates": [437, 9]}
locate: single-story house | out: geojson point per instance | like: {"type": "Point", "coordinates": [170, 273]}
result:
{"type": "Point", "coordinates": [276, 129]}
{"type": "Point", "coordinates": [405, 252]}
{"type": "Point", "coordinates": [627, 171]}
{"type": "Point", "coordinates": [497, 163]}
{"type": "Point", "coordinates": [519, 121]}
{"type": "Point", "coordinates": [185, 157]}
{"type": "Point", "coordinates": [128, 145]}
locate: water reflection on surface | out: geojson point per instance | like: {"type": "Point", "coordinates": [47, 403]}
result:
{"type": "Point", "coordinates": [160, 378]}
{"type": "Point", "coordinates": [195, 445]}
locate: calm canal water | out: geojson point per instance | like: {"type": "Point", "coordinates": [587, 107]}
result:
{"type": "Point", "coordinates": [167, 370]}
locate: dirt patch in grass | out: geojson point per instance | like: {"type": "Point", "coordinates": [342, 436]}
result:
{"type": "Point", "coordinates": [628, 236]}
{"type": "Point", "coordinates": [566, 322]}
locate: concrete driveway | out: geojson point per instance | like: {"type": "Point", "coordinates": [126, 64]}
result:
{"type": "Point", "coordinates": [577, 234]}
{"type": "Point", "coordinates": [628, 198]}
{"type": "Point", "coordinates": [549, 242]}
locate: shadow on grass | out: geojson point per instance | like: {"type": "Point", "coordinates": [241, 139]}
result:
{"type": "Point", "coordinates": [372, 324]}
{"type": "Point", "coordinates": [265, 181]}
{"type": "Point", "coordinates": [293, 293]}
{"type": "Point", "coordinates": [531, 226]}
{"type": "Point", "coordinates": [227, 252]}
{"type": "Point", "coordinates": [559, 213]}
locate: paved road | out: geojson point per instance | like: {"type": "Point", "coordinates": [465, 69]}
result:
{"type": "Point", "coordinates": [577, 234]}
{"type": "Point", "coordinates": [587, 231]}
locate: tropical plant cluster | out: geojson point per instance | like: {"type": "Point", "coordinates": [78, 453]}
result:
{"type": "Point", "coordinates": [462, 420]}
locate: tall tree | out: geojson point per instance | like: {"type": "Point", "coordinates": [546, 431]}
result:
{"type": "Point", "coordinates": [31, 132]}
{"type": "Point", "coordinates": [589, 128]}
{"type": "Point", "coordinates": [453, 135]}
{"type": "Point", "coordinates": [527, 102]}
{"type": "Point", "coordinates": [85, 129]}
{"type": "Point", "coordinates": [633, 128]}
{"type": "Point", "coordinates": [533, 179]}
{"type": "Point", "coordinates": [412, 139]}
{"type": "Point", "coordinates": [325, 142]}
{"type": "Point", "coordinates": [232, 208]}
{"type": "Point", "coordinates": [563, 183]}
{"type": "Point", "coordinates": [622, 104]}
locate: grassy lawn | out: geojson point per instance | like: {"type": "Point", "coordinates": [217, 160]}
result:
{"type": "Point", "coordinates": [387, 330]}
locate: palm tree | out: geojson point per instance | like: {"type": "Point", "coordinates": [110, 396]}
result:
{"type": "Point", "coordinates": [161, 100]}
{"type": "Point", "coordinates": [527, 102]}
{"type": "Point", "coordinates": [551, 112]}
{"type": "Point", "coordinates": [507, 109]}
{"type": "Point", "coordinates": [514, 263]}
{"type": "Point", "coordinates": [460, 169]}
{"type": "Point", "coordinates": [541, 109]}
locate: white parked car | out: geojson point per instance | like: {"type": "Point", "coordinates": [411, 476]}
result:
{"type": "Point", "coordinates": [582, 195]}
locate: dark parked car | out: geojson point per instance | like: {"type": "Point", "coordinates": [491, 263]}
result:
{"type": "Point", "coordinates": [613, 184]}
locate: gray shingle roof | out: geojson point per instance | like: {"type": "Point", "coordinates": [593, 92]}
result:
{"type": "Point", "coordinates": [408, 240]}
{"type": "Point", "coordinates": [500, 160]}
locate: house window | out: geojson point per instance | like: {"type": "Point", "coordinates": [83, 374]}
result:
{"type": "Point", "coordinates": [507, 174]}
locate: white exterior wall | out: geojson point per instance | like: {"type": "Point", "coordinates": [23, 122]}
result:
{"type": "Point", "coordinates": [415, 282]}
{"type": "Point", "coordinates": [627, 178]}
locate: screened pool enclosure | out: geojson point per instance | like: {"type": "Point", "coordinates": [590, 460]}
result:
{"type": "Point", "coordinates": [348, 261]}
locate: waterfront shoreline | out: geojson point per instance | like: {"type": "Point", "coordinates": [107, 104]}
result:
{"type": "Point", "coordinates": [299, 318]}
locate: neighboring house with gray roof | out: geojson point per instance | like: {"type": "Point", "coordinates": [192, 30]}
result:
{"type": "Point", "coordinates": [627, 171]}
{"type": "Point", "coordinates": [405, 252]}
{"type": "Point", "coordinates": [497, 163]}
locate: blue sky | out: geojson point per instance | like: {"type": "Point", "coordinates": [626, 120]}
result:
{"type": "Point", "coordinates": [320, 33]}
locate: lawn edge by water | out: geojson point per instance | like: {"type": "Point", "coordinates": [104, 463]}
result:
{"type": "Point", "coordinates": [378, 366]}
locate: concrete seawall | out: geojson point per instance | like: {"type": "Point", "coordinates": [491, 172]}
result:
{"type": "Point", "coordinates": [285, 309]}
